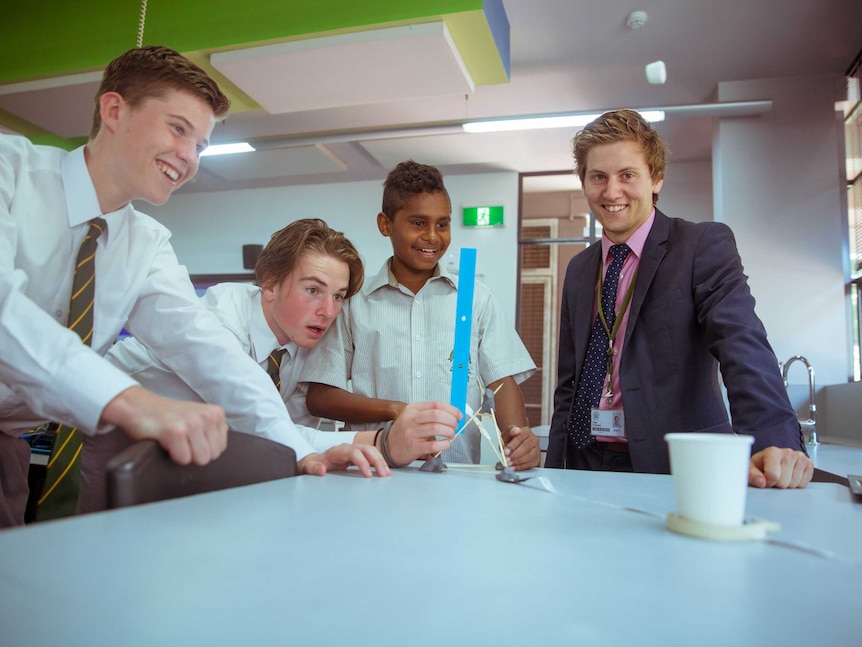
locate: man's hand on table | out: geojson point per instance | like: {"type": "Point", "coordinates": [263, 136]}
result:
{"type": "Point", "coordinates": [781, 468]}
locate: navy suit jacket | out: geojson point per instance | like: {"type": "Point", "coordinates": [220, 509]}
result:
{"type": "Point", "coordinates": [691, 313]}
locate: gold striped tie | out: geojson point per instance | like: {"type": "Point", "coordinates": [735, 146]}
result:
{"type": "Point", "coordinates": [63, 473]}
{"type": "Point", "coordinates": [273, 366]}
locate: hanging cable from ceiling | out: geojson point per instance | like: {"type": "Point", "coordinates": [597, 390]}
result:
{"type": "Point", "coordinates": [141, 23]}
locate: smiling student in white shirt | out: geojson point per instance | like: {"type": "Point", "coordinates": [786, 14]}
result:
{"type": "Point", "coordinates": [155, 111]}
{"type": "Point", "coordinates": [394, 341]}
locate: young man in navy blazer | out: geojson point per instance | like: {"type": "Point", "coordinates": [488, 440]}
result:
{"type": "Point", "coordinates": [689, 313]}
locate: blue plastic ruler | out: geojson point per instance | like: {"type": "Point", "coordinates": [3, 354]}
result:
{"type": "Point", "coordinates": [463, 326]}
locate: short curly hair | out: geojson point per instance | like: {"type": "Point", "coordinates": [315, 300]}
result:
{"type": "Point", "coordinates": [408, 179]}
{"type": "Point", "coordinates": [150, 71]}
{"type": "Point", "coordinates": [309, 235]}
{"type": "Point", "coordinates": [617, 126]}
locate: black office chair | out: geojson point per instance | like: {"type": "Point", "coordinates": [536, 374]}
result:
{"type": "Point", "coordinates": [144, 472]}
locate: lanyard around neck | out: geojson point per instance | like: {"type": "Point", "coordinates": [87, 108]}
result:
{"type": "Point", "coordinates": [612, 333]}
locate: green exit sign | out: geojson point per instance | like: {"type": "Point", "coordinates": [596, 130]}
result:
{"type": "Point", "coordinates": [483, 216]}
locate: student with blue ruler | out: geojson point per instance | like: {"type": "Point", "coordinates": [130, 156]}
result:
{"type": "Point", "coordinates": [395, 339]}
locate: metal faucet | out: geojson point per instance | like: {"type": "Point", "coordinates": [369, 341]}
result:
{"type": "Point", "coordinates": [810, 424]}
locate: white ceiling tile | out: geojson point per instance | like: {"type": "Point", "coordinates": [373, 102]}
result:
{"type": "Point", "coordinates": [274, 163]}
{"type": "Point", "coordinates": [349, 69]}
{"type": "Point", "coordinates": [66, 110]}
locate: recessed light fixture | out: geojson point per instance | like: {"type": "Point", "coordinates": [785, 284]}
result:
{"type": "Point", "coordinates": [652, 114]}
{"type": "Point", "coordinates": [227, 149]}
{"type": "Point", "coordinates": [548, 121]}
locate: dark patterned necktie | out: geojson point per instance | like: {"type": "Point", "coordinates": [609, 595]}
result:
{"type": "Point", "coordinates": [63, 473]}
{"type": "Point", "coordinates": [273, 366]}
{"type": "Point", "coordinates": [594, 371]}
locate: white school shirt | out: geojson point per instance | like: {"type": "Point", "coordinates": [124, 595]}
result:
{"type": "Point", "coordinates": [238, 308]}
{"type": "Point", "coordinates": [46, 201]}
{"type": "Point", "coordinates": [394, 345]}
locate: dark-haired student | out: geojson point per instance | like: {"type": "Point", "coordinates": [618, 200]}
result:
{"type": "Point", "coordinates": [395, 338]}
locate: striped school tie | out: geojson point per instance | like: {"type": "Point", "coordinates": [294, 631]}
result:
{"type": "Point", "coordinates": [63, 473]}
{"type": "Point", "coordinates": [273, 366]}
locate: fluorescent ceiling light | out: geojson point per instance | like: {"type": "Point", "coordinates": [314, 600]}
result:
{"type": "Point", "coordinates": [550, 121]}
{"type": "Point", "coordinates": [227, 149]}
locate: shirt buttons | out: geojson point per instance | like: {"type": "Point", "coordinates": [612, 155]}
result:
{"type": "Point", "coordinates": [418, 373]}
{"type": "Point", "coordinates": [418, 337]}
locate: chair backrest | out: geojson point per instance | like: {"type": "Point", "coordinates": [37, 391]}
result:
{"type": "Point", "coordinates": [822, 476]}
{"type": "Point", "coordinates": [144, 472]}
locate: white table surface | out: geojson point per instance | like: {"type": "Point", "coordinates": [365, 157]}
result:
{"type": "Point", "coordinates": [435, 559]}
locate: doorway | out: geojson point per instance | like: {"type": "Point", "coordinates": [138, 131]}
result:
{"type": "Point", "coordinates": [554, 224]}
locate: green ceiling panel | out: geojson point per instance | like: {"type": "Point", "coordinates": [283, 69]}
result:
{"type": "Point", "coordinates": [47, 37]}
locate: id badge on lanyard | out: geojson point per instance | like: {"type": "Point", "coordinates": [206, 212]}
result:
{"type": "Point", "coordinates": [610, 422]}
{"type": "Point", "coordinates": [607, 422]}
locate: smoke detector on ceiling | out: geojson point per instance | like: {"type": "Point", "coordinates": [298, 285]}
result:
{"type": "Point", "coordinates": [636, 19]}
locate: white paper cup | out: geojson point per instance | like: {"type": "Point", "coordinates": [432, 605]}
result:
{"type": "Point", "coordinates": [710, 476]}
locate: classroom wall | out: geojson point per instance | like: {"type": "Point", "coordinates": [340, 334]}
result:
{"type": "Point", "coordinates": [687, 191]}
{"type": "Point", "coordinates": [209, 230]}
{"type": "Point", "coordinates": [780, 186]}
{"type": "Point", "coordinates": [776, 179]}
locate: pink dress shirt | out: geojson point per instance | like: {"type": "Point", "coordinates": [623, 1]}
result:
{"type": "Point", "coordinates": [636, 243]}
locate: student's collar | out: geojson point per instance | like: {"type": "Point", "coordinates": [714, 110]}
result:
{"type": "Point", "coordinates": [379, 280]}
{"type": "Point", "coordinates": [82, 203]}
{"type": "Point", "coordinates": [385, 277]}
{"type": "Point", "coordinates": [263, 340]}
{"type": "Point", "coordinates": [442, 273]}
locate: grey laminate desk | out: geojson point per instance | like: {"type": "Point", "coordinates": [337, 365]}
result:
{"type": "Point", "coordinates": [434, 559]}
